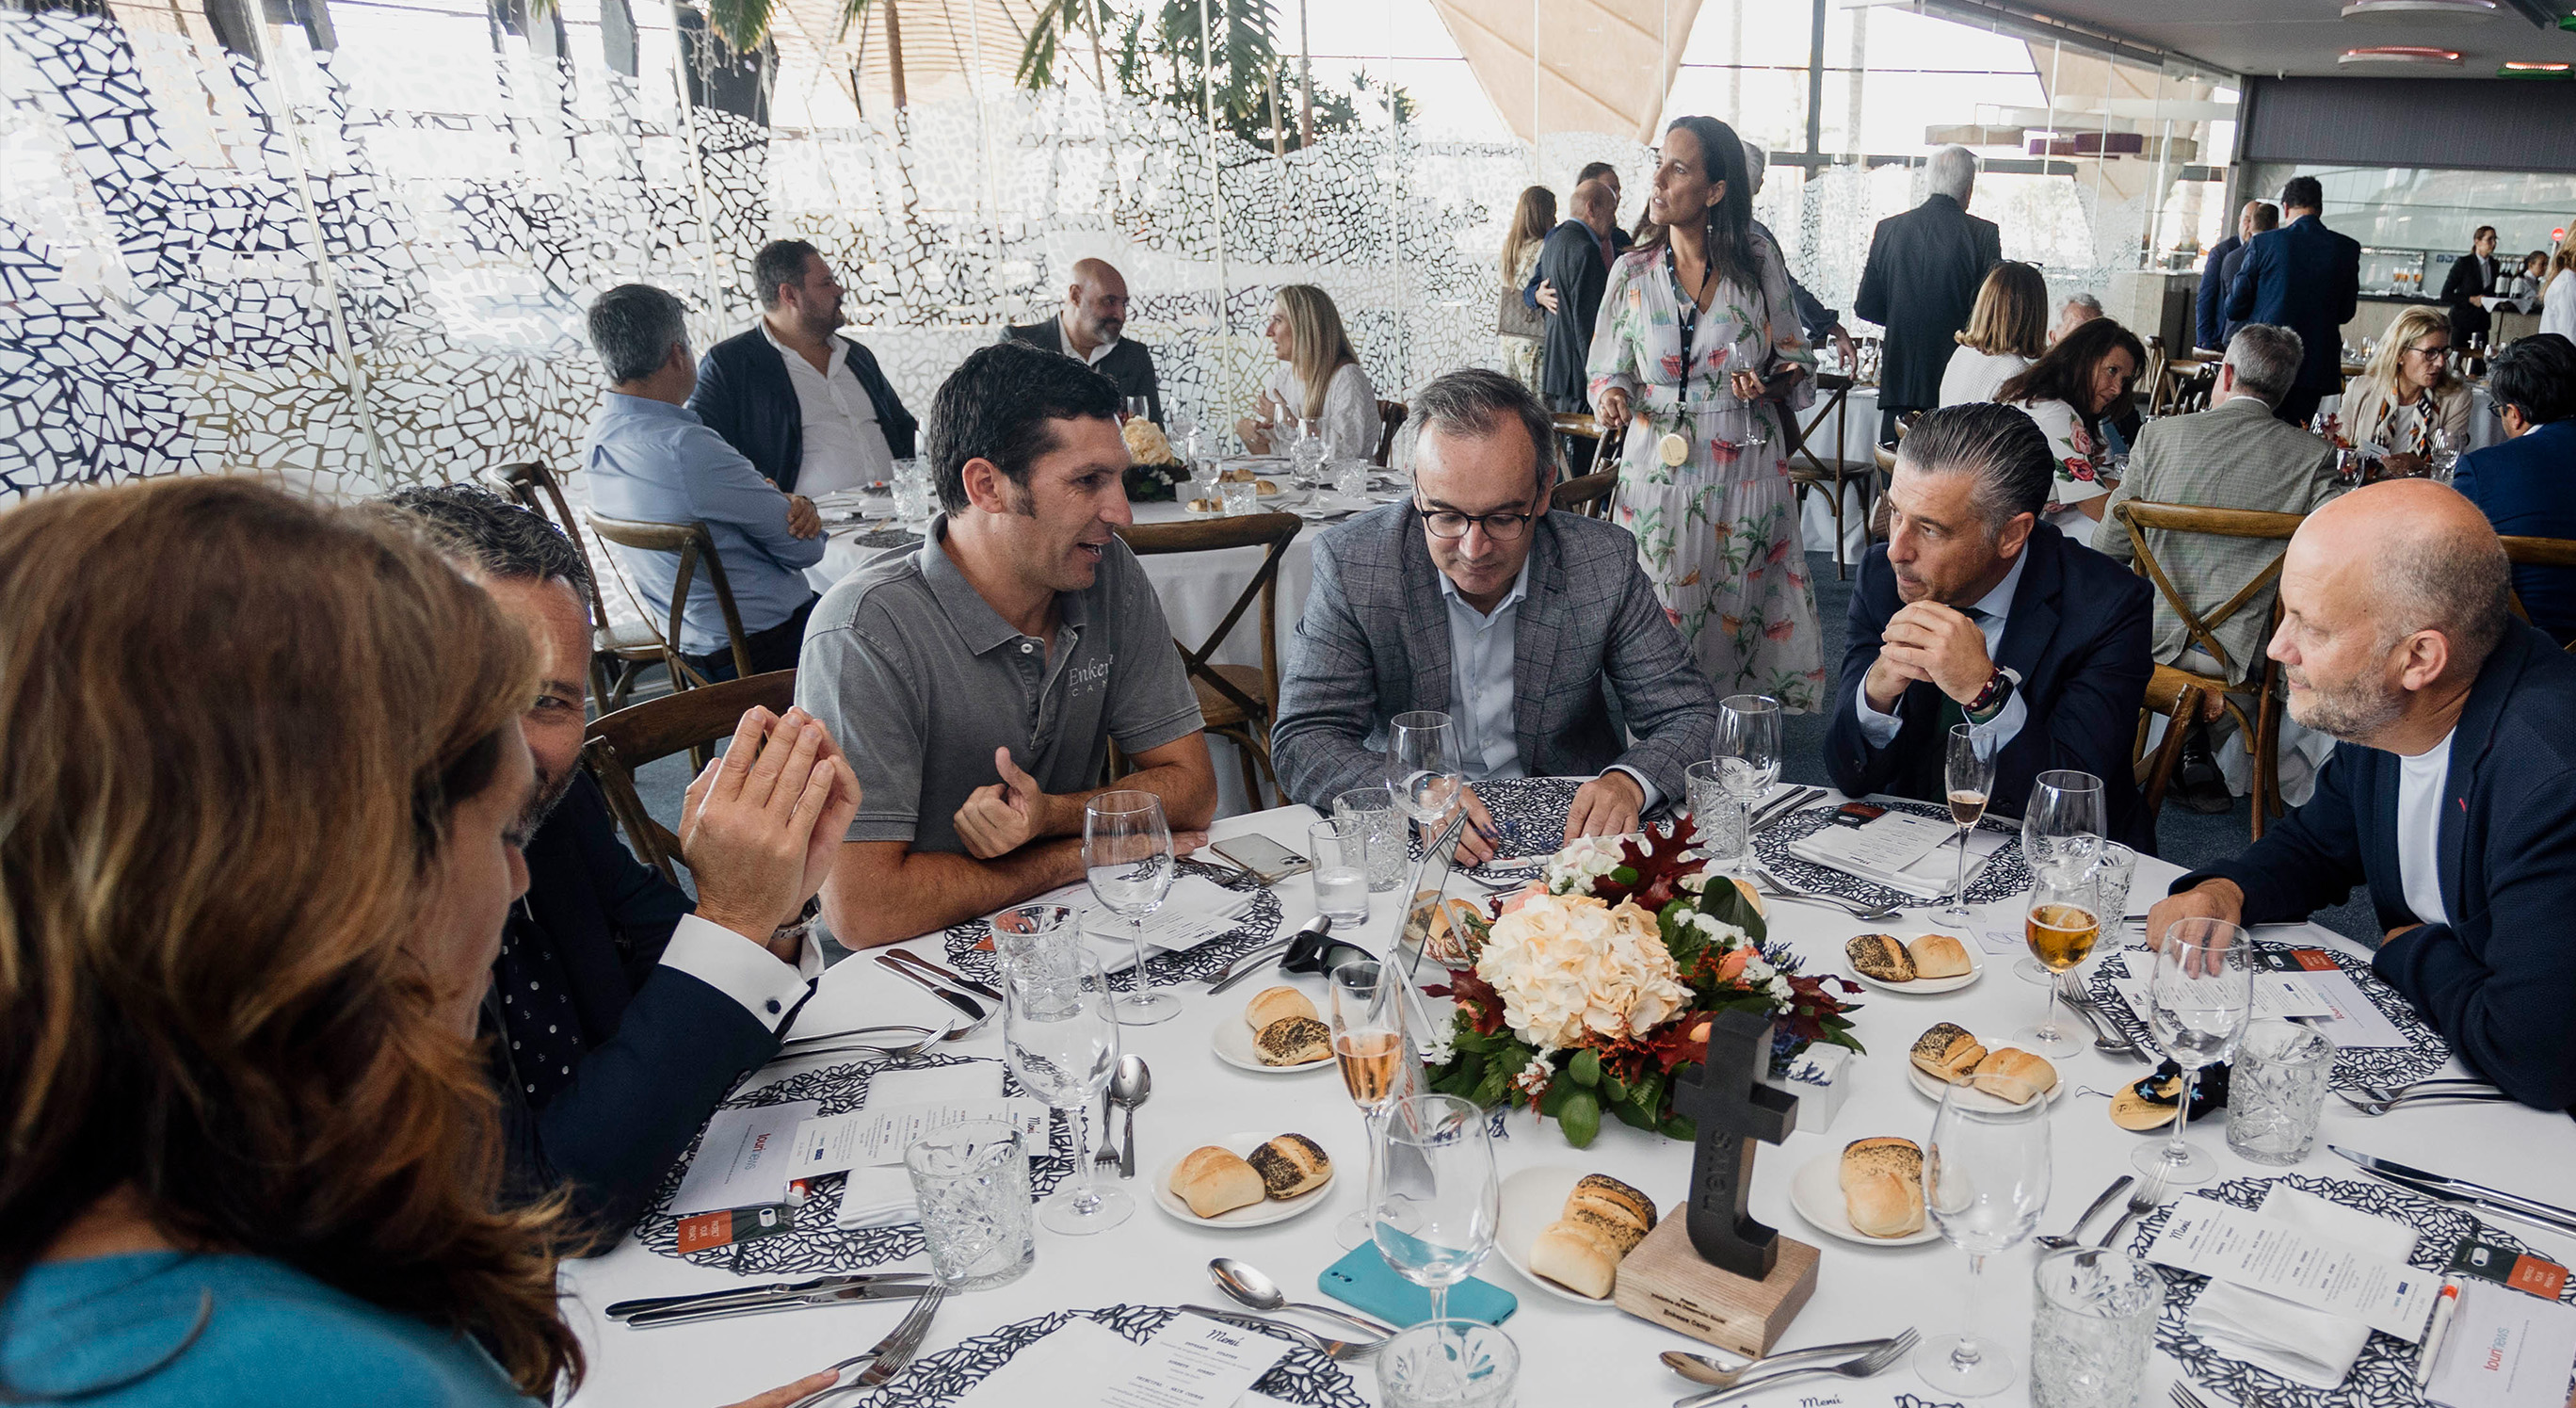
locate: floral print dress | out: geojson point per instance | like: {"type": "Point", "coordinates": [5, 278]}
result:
{"type": "Point", "coordinates": [1718, 534]}
{"type": "Point", "coordinates": [2079, 466]}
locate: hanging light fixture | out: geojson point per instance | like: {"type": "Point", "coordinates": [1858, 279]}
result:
{"type": "Point", "coordinates": [2399, 56]}
{"type": "Point", "coordinates": [2416, 11]}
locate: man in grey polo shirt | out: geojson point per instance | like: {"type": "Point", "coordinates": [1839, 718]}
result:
{"type": "Point", "coordinates": [977, 683]}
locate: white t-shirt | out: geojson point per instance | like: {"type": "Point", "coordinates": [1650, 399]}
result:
{"type": "Point", "coordinates": [843, 446]}
{"type": "Point", "coordinates": [2558, 305]}
{"type": "Point", "coordinates": [1977, 376]}
{"type": "Point", "coordinates": [2421, 781]}
{"type": "Point", "coordinates": [1350, 423]}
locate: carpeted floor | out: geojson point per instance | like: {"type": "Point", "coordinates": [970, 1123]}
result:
{"type": "Point", "coordinates": [2185, 838]}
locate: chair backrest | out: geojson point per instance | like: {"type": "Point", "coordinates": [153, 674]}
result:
{"type": "Point", "coordinates": [1588, 495]}
{"type": "Point", "coordinates": [1390, 418]}
{"type": "Point", "coordinates": [2538, 552]}
{"type": "Point", "coordinates": [534, 487]}
{"type": "Point", "coordinates": [692, 542]}
{"type": "Point", "coordinates": [2138, 516]}
{"type": "Point", "coordinates": [1272, 530]}
{"type": "Point", "coordinates": [617, 744]}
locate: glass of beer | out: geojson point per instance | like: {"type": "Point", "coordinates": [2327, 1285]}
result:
{"type": "Point", "coordinates": [2065, 918]}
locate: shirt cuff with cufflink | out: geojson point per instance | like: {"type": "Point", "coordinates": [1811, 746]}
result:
{"type": "Point", "coordinates": [750, 974]}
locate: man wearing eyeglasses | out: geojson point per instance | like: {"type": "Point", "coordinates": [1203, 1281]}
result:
{"type": "Point", "coordinates": [1521, 624]}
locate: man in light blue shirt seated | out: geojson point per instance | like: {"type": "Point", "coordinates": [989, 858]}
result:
{"type": "Point", "coordinates": [1534, 631]}
{"type": "Point", "coordinates": [650, 458]}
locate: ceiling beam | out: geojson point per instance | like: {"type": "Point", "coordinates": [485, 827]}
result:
{"type": "Point", "coordinates": [2029, 25]}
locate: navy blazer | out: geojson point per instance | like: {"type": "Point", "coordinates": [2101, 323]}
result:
{"type": "Point", "coordinates": [2078, 636]}
{"type": "Point", "coordinates": [2499, 980]}
{"type": "Point", "coordinates": [2209, 310]}
{"type": "Point", "coordinates": [661, 1048]}
{"type": "Point", "coordinates": [2527, 486]}
{"type": "Point", "coordinates": [744, 395]}
{"type": "Point", "coordinates": [1571, 260]}
{"type": "Point", "coordinates": [2306, 278]}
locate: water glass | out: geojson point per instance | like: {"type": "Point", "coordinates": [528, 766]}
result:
{"type": "Point", "coordinates": [1985, 1183]}
{"type": "Point", "coordinates": [1338, 850]}
{"type": "Point", "coordinates": [1433, 1192]}
{"type": "Point", "coordinates": [1240, 497]}
{"type": "Point", "coordinates": [1716, 820]}
{"type": "Point", "coordinates": [2276, 1092]}
{"type": "Point", "coordinates": [1375, 808]}
{"type": "Point", "coordinates": [1060, 1036]}
{"type": "Point", "coordinates": [1449, 1364]}
{"type": "Point", "coordinates": [2198, 1004]}
{"type": "Point", "coordinates": [1127, 859]}
{"type": "Point", "coordinates": [1422, 766]}
{"type": "Point", "coordinates": [2113, 873]}
{"type": "Point", "coordinates": [2094, 1323]}
{"type": "Point", "coordinates": [971, 1180]}
{"type": "Point", "coordinates": [1350, 480]}
{"type": "Point", "coordinates": [1024, 930]}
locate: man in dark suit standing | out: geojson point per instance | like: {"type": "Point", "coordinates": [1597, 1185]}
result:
{"type": "Point", "coordinates": [2306, 278]}
{"type": "Point", "coordinates": [1974, 612]}
{"type": "Point", "coordinates": [622, 1012]}
{"type": "Point", "coordinates": [1921, 283]}
{"type": "Point", "coordinates": [2527, 485]}
{"type": "Point", "coordinates": [1087, 329]}
{"type": "Point", "coordinates": [1573, 268]}
{"type": "Point", "coordinates": [2209, 309]}
{"type": "Point", "coordinates": [808, 407]}
{"type": "Point", "coordinates": [2451, 792]}
{"type": "Point", "coordinates": [2267, 218]}
{"type": "Point", "coordinates": [2471, 282]}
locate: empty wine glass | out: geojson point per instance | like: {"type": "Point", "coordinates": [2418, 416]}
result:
{"type": "Point", "coordinates": [1127, 857]}
{"type": "Point", "coordinates": [1747, 753]}
{"type": "Point", "coordinates": [1985, 1183]}
{"type": "Point", "coordinates": [2063, 923]}
{"type": "Point", "coordinates": [2198, 1002]}
{"type": "Point", "coordinates": [1185, 429]}
{"type": "Point", "coordinates": [1422, 765]}
{"type": "Point", "coordinates": [1433, 1192]}
{"type": "Point", "coordinates": [1969, 772]}
{"type": "Point", "coordinates": [2061, 830]}
{"type": "Point", "coordinates": [1060, 1034]}
{"type": "Point", "coordinates": [1369, 1045]}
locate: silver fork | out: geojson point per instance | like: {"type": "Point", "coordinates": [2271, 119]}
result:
{"type": "Point", "coordinates": [2143, 1199]}
{"type": "Point", "coordinates": [2106, 1038]}
{"type": "Point", "coordinates": [2464, 1097]}
{"type": "Point", "coordinates": [2183, 1397]}
{"type": "Point", "coordinates": [891, 1354]}
{"type": "Point", "coordinates": [1774, 884]}
{"type": "Point", "coordinates": [1869, 1365]}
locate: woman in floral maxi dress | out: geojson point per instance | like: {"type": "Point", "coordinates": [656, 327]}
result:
{"type": "Point", "coordinates": [1717, 532]}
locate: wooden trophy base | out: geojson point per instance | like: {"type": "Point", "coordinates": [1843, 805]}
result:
{"type": "Point", "coordinates": [1665, 1281]}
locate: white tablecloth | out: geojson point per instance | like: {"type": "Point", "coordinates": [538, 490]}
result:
{"type": "Point", "coordinates": [1572, 1355]}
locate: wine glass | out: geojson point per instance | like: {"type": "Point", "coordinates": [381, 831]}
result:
{"type": "Point", "coordinates": [1132, 408]}
{"type": "Point", "coordinates": [1060, 1034]}
{"type": "Point", "coordinates": [1969, 772]}
{"type": "Point", "coordinates": [1127, 857]}
{"type": "Point", "coordinates": [2065, 918]}
{"type": "Point", "coordinates": [1748, 760]}
{"type": "Point", "coordinates": [1369, 1045]}
{"type": "Point", "coordinates": [1422, 765]}
{"type": "Point", "coordinates": [2061, 830]}
{"type": "Point", "coordinates": [1433, 1192]}
{"type": "Point", "coordinates": [1985, 1183]}
{"type": "Point", "coordinates": [1185, 426]}
{"type": "Point", "coordinates": [2198, 1003]}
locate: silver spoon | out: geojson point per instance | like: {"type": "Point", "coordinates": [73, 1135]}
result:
{"type": "Point", "coordinates": [1245, 1284]}
{"type": "Point", "coordinates": [1127, 1090]}
{"type": "Point", "coordinates": [2061, 1243]}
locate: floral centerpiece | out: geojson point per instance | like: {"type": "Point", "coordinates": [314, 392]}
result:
{"type": "Point", "coordinates": [1594, 986]}
{"type": "Point", "coordinates": [1152, 469]}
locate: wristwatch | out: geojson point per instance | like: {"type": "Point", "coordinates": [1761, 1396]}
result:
{"type": "Point", "coordinates": [1990, 700]}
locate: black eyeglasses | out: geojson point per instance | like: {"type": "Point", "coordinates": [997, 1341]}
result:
{"type": "Point", "coordinates": [1449, 523]}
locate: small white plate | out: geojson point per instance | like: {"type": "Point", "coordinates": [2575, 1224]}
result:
{"type": "Point", "coordinates": [1817, 1194]}
{"type": "Point", "coordinates": [1926, 987]}
{"type": "Point", "coordinates": [1260, 1214]}
{"type": "Point", "coordinates": [1533, 1199]}
{"type": "Point", "coordinates": [1931, 1088]}
{"type": "Point", "coordinates": [1232, 1040]}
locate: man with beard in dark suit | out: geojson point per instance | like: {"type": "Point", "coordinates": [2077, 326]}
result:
{"type": "Point", "coordinates": [1921, 283]}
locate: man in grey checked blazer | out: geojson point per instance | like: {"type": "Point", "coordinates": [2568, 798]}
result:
{"type": "Point", "coordinates": [1535, 631]}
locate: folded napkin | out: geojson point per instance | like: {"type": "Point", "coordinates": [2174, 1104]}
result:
{"type": "Point", "coordinates": [2302, 1345]}
{"type": "Point", "coordinates": [1925, 876]}
{"type": "Point", "coordinates": [881, 1195]}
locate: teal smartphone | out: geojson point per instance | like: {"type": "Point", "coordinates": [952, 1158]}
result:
{"type": "Point", "coordinates": [1363, 1281]}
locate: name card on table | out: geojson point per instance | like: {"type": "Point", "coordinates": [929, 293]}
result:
{"type": "Point", "coordinates": [2504, 1350]}
{"type": "Point", "coordinates": [2209, 1238]}
{"type": "Point", "coordinates": [744, 1159]}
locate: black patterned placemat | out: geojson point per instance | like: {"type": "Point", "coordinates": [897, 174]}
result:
{"type": "Point", "coordinates": [2004, 875]}
{"type": "Point", "coordinates": [2384, 1375]}
{"type": "Point", "coordinates": [2354, 1066]}
{"type": "Point", "coordinates": [816, 1244]}
{"type": "Point", "coordinates": [1303, 1376]}
{"type": "Point", "coordinates": [970, 950]}
{"type": "Point", "coordinates": [1529, 812]}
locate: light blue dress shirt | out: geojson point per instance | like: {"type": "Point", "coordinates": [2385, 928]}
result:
{"type": "Point", "coordinates": [653, 461]}
{"type": "Point", "coordinates": [1482, 695]}
{"type": "Point", "coordinates": [1993, 734]}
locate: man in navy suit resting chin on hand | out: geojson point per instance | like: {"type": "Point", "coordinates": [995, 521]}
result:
{"type": "Point", "coordinates": [2452, 791]}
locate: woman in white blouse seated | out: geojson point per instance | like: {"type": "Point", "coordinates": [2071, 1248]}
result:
{"type": "Point", "coordinates": [2007, 331]}
{"type": "Point", "coordinates": [1318, 379]}
{"type": "Point", "coordinates": [2070, 391]}
{"type": "Point", "coordinates": [2408, 392]}
{"type": "Point", "coordinates": [2558, 296]}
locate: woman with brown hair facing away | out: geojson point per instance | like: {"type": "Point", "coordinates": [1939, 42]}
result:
{"type": "Point", "coordinates": [264, 776]}
{"type": "Point", "coordinates": [2006, 332]}
{"type": "Point", "coordinates": [1518, 327]}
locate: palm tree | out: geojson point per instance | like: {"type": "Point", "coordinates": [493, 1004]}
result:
{"type": "Point", "coordinates": [1162, 54]}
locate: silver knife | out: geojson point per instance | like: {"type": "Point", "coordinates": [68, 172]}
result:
{"type": "Point", "coordinates": [1248, 965]}
{"type": "Point", "coordinates": [1782, 811]}
{"type": "Point", "coordinates": [974, 1010]}
{"type": "Point", "coordinates": [845, 1295]}
{"type": "Point", "coordinates": [2449, 1189]}
{"type": "Point", "coordinates": [702, 1299]}
{"type": "Point", "coordinates": [933, 971]}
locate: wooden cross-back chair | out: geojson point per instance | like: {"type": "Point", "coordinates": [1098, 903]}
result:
{"type": "Point", "coordinates": [1239, 702]}
{"type": "Point", "coordinates": [1390, 419]}
{"type": "Point", "coordinates": [2538, 552]}
{"type": "Point", "coordinates": [1588, 494]}
{"type": "Point", "coordinates": [695, 547]}
{"type": "Point", "coordinates": [2175, 696]}
{"type": "Point", "coordinates": [633, 645]}
{"type": "Point", "coordinates": [1571, 426]}
{"type": "Point", "coordinates": [2263, 730]}
{"type": "Point", "coordinates": [616, 745]}
{"type": "Point", "coordinates": [1817, 472]}
{"type": "Point", "coordinates": [2152, 375]}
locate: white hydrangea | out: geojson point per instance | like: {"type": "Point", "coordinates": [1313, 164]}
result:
{"type": "Point", "coordinates": [1570, 967]}
{"type": "Point", "coordinates": [1583, 860]}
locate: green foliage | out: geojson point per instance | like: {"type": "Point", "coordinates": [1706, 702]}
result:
{"type": "Point", "coordinates": [1159, 53]}
{"type": "Point", "coordinates": [1580, 1117]}
{"type": "Point", "coordinates": [1585, 1069]}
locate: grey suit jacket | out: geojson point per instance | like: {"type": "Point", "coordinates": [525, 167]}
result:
{"type": "Point", "coordinates": [2233, 455]}
{"type": "Point", "coordinates": [1590, 636]}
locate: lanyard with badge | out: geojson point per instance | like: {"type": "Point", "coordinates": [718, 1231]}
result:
{"type": "Point", "coordinates": [1674, 448]}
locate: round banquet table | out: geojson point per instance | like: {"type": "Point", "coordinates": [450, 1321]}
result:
{"type": "Point", "coordinates": [1572, 1354]}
